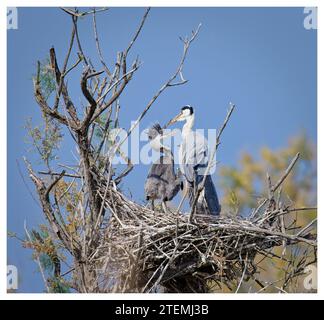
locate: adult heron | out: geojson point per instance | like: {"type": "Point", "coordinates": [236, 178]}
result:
{"type": "Point", "coordinates": [162, 182]}
{"type": "Point", "coordinates": [193, 157]}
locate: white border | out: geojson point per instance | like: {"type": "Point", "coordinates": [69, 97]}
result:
{"type": "Point", "coordinates": [142, 3]}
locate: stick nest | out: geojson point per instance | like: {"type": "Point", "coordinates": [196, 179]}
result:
{"type": "Point", "coordinates": [150, 251]}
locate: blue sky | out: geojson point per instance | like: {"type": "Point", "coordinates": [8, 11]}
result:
{"type": "Point", "coordinates": [262, 59]}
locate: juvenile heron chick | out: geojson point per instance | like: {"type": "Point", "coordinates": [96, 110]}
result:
{"type": "Point", "coordinates": [162, 183]}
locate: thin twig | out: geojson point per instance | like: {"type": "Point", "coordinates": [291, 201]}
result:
{"type": "Point", "coordinates": [164, 86]}
{"type": "Point", "coordinates": [284, 176]}
{"type": "Point", "coordinates": [82, 14]}
{"type": "Point", "coordinates": [98, 44]}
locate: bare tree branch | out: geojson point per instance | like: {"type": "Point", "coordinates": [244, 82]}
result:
{"type": "Point", "coordinates": [42, 102]}
{"type": "Point", "coordinates": [277, 185]}
{"type": "Point", "coordinates": [167, 84]}
{"type": "Point", "coordinates": [57, 228]}
{"type": "Point", "coordinates": [138, 31]}
{"type": "Point", "coordinates": [77, 14]}
{"type": "Point", "coordinates": [98, 45]}
{"type": "Point", "coordinates": [284, 176]}
{"type": "Point", "coordinates": [93, 104]}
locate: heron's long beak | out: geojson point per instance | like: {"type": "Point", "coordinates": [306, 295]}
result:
{"type": "Point", "coordinates": [172, 121]}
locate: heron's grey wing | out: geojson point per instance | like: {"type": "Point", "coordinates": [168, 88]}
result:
{"type": "Point", "coordinates": [208, 202]}
{"type": "Point", "coordinates": [194, 154]}
{"type": "Point", "coordinates": [200, 156]}
{"type": "Point", "coordinates": [155, 184]}
{"type": "Point", "coordinates": [158, 168]}
{"type": "Point", "coordinates": [211, 197]}
{"type": "Point", "coordinates": [186, 169]}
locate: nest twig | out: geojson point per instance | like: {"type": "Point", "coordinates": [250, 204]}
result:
{"type": "Point", "coordinates": [147, 251]}
{"type": "Point", "coordinates": [150, 251]}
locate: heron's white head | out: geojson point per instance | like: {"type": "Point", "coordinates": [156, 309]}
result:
{"type": "Point", "coordinates": [186, 113]}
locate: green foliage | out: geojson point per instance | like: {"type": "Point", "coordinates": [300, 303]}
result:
{"type": "Point", "coordinates": [57, 285]}
{"type": "Point", "coordinates": [101, 124]}
{"type": "Point", "coordinates": [46, 262]}
{"type": "Point", "coordinates": [44, 247]}
{"type": "Point", "coordinates": [12, 234]}
{"type": "Point", "coordinates": [45, 138]}
{"type": "Point", "coordinates": [46, 78]}
{"type": "Point", "coordinates": [46, 251]}
{"type": "Point", "coordinates": [102, 135]}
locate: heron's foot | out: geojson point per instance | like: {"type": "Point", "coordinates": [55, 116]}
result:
{"type": "Point", "coordinates": [152, 205]}
{"type": "Point", "coordinates": [164, 207]}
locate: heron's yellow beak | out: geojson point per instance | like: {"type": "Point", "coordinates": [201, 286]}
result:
{"type": "Point", "coordinates": [175, 119]}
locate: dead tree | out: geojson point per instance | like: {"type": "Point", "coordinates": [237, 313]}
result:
{"type": "Point", "coordinates": [112, 243]}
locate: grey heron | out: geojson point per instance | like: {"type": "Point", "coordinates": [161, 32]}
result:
{"type": "Point", "coordinates": [162, 182]}
{"type": "Point", "coordinates": [193, 158]}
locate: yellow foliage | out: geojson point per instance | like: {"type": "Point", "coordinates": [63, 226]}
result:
{"type": "Point", "coordinates": [68, 197]}
{"type": "Point", "coordinates": [242, 185]}
{"type": "Point", "coordinates": [248, 179]}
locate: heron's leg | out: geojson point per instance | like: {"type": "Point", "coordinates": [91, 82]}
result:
{"type": "Point", "coordinates": [194, 186]}
{"type": "Point", "coordinates": [164, 207]}
{"type": "Point", "coordinates": [194, 195]}
{"type": "Point", "coordinates": [152, 204]}
{"type": "Point", "coordinates": [182, 200]}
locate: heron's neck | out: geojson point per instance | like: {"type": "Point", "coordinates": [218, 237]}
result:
{"type": "Point", "coordinates": [188, 125]}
